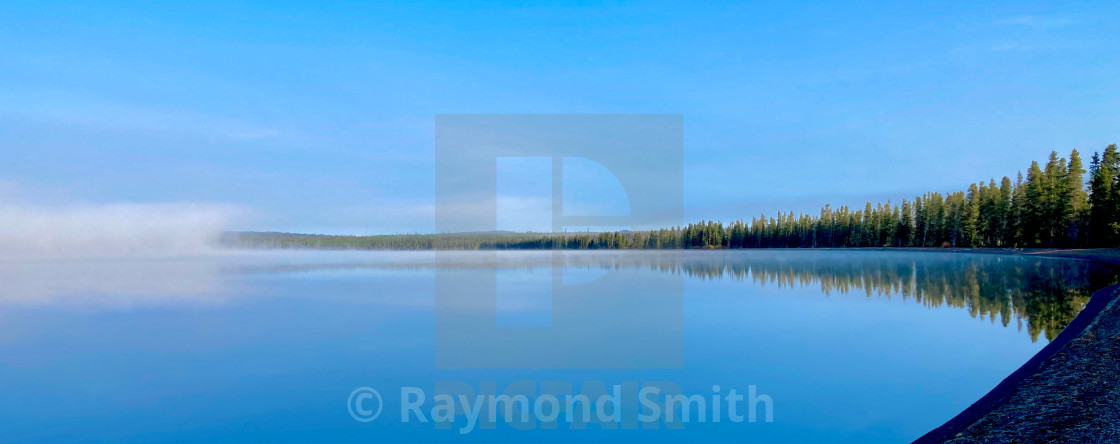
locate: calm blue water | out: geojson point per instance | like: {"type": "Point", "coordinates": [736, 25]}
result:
{"type": "Point", "coordinates": [861, 346]}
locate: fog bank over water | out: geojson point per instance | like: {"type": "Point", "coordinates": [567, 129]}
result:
{"type": "Point", "coordinates": [113, 230]}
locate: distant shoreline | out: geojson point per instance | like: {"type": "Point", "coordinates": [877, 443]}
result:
{"type": "Point", "coordinates": [257, 240]}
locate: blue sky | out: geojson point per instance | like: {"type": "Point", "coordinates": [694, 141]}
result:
{"type": "Point", "coordinates": [318, 116]}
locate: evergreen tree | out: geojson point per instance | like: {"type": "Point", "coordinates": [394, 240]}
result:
{"type": "Point", "coordinates": [1005, 214]}
{"type": "Point", "coordinates": [971, 217]}
{"type": "Point", "coordinates": [1034, 212]}
{"type": "Point", "coordinates": [1078, 207]}
{"type": "Point", "coordinates": [1103, 198]}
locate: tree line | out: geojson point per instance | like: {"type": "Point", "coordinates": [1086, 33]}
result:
{"type": "Point", "coordinates": [1052, 206]}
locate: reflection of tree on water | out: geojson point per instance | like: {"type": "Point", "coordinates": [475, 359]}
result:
{"type": "Point", "coordinates": [1046, 294]}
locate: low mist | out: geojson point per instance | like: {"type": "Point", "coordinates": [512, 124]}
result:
{"type": "Point", "coordinates": [112, 230]}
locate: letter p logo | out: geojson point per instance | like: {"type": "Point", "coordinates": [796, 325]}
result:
{"type": "Point", "coordinates": [624, 319]}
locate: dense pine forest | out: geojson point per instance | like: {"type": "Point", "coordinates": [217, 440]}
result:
{"type": "Point", "coordinates": [1052, 206]}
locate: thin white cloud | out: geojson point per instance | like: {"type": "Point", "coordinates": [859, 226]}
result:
{"type": "Point", "coordinates": [1022, 47]}
{"type": "Point", "coordinates": [1036, 22]}
{"type": "Point", "coordinates": [68, 109]}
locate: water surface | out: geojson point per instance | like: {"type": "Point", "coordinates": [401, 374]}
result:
{"type": "Point", "coordinates": [851, 346]}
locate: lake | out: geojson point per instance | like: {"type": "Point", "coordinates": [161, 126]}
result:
{"type": "Point", "coordinates": [829, 345]}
